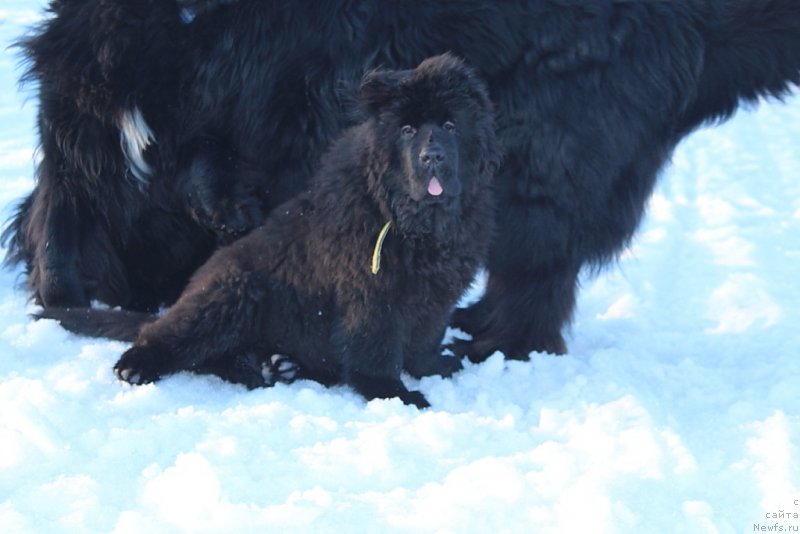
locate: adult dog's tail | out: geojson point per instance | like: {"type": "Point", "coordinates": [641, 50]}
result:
{"type": "Point", "coordinates": [121, 325]}
{"type": "Point", "coordinates": [752, 50]}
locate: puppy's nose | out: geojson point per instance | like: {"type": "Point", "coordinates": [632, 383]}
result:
{"type": "Point", "coordinates": [432, 154]}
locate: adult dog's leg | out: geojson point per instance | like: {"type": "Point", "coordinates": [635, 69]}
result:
{"type": "Point", "coordinates": [221, 189]}
{"type": "Point", "coordinates": [530, 293]}
{"type": "Point", "coordinates": [56, 271]}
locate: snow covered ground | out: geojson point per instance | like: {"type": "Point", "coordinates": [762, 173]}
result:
{"type": "Point", "coordinates": [677, 409]}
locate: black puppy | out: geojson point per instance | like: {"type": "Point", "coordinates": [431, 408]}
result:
{"type": "Point", "coordinates": [356, 279]}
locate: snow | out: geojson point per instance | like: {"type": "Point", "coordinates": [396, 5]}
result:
{"type": "Point", "coordinates": [676, 410]}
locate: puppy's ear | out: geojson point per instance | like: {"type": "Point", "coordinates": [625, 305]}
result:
{"type": "Point", "coordinates": [378, 87]}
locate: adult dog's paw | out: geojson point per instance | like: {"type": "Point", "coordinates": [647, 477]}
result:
{"type": "Point", "coordinates": [476, 350]}
{"type": "Point", "coordinates": [471, 319]}
{"type": "Point", "coordinates": [444, 364]}
{"type": "Point", "coordinates": [447, 364]}
{"type": "Point", "coordinates": [233, 217]}
{"type": "Point", "coordinates": [228, 214]}
{"type": "Point", "coordinates": [139, 365]}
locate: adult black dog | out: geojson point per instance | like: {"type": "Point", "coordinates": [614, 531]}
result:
{"type": "Point", "coordinates": [356, 279]}
{"type": "Point", "coordinates": [108, 219]}
{"type": "Point", "coordinates": [592, 96]}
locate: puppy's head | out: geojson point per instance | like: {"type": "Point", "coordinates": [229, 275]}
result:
{"type": "Point", "coordinates": [434, 132]}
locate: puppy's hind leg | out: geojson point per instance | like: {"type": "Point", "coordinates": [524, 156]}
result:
{"type": "Point", "coordinates": [203, 332]}
{"type": "Point", "coordinates": [280, 368]}
{"type": "Point", "coordinates": [143, 364]}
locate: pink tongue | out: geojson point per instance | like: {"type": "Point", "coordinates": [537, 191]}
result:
{"type": "Point", "coordinates": [434, 187]}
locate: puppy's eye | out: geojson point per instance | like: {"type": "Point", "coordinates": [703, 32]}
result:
{"type": "Point", "coordinates": [408, 131]}
{"type": "Point", "coordinates": [449, 127]}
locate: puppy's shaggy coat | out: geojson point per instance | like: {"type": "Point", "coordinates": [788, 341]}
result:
{"type": "Point", "coordinates": [320, 281]}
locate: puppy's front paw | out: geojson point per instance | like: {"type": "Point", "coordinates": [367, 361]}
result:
{"type": "Point", "coordinates": [414, 398]}
{"type": "Point", "coordinates": [139, 365]}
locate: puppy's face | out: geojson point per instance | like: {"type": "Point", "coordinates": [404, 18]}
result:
{"type": "Point", "coordinates": [425, 179]}
{"type": "Point", "coordinates": [429, 155]}
{"type": "Point", "coordinates": [431, 140]}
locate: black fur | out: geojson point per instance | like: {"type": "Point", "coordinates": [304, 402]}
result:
{"type": "Point", "coordinates": [97, 226]}
{"type": "Point", "coordinates": [591, 98]}
{"type": "Point", "coordinates": [304, 284]}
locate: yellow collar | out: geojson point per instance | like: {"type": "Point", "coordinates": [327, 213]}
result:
{"type": "Point", "coordinates": [376, 253]}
